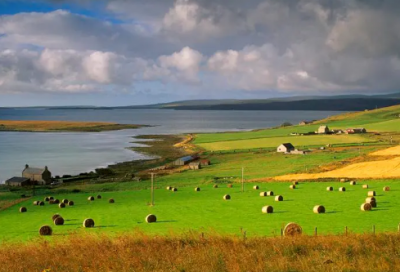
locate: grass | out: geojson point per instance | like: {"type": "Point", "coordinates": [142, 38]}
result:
{"type": "Point", "coordinates": [43, 126]}
{"type": "Point", "coordinates": [206, 211]}
{"type": "Point", "coordinates": [192, 252]}
{"type": "Point", "coordinates": [276, 141]}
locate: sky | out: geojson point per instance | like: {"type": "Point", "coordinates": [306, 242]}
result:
{"type": "Point", "coordinates": [130, 52]}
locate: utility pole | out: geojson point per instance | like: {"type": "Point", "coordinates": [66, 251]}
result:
{"type": "Point", "coordinates": [242, 179]}
{"type": "Point", "coordinates": [152, 189]}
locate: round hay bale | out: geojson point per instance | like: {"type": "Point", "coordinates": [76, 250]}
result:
{"type": "Point", "coordinates": [88, 223]}
{"type": "Point", "coordinates": [51, 198]}
{"type": "Point", "coordinates": [59, 221]}
{"type": "Point", "coordinates": [169, 188]}
{"type": "Point", "coordinates": [71, 203]}
{"type": "Point", "coordinates": [174, 189]}
{"type": "Point", "coordinates": [227, 197]}
{"type": "Point", "coordinates": [41, 203]}
{"type": "Point", "coordinates": [386, 189]}
{"type": "Point", "coordinates": [366, 207]}
{"type": "Point", "coordinates": [343, 180]}
{"type": "Point", "coordinates": [22, 209]}
{"type": "Point", "coordinates": [61, 205]}
{"type": "Point", "coordinates": [36, 202]}
{"type": "Point", "coordinates": [353, 183]}
{"type": "Point", "coordinates": [45, 231]}
{"type": "Point", "coordinates": [279, 198]}
{"type": "Point", "coordinates": [255, 187]}
{"type": "Point", "coordinates": [342, 189]}
{"type": "Point", "coordinates": [270, 193]}
{"type": "Point", "coordinates": [319, 209]}
{"type": "Point", "coordinates": [230, 185]}
{"type": "Point", "coordinates": [292, 229]}
{"type": "Point", "coordinates": [98, 196]}
{"type": "Point", "coordinates": [263, 194]}
{"type": "Point", "coordinates": [371, 193]}
{"type": "Point", "coordinates": [267, 209]}
{"type": "Point", "coordinates": [292, 186]}
{"type": "Point", "coordinates": [365, 186]}
{"type": "Point", "coordinates": [295, 183]}
{"type": "Point", "coordinates": [51, 202]}
{"type": "Point", "coordinates": [111, 200]}
{"type": "Point", "coordinates": [372, 201]}
{"type": "Point", "coordinates": [91, 198]}
{"type": "Point", "coordinates": [56, 201]}
{"type": "Point", "coordinates": [197, 189]}
{"type": "Point", "coordinates": [65, 201]}
{"type": "Point", "coordinates": [47, 199]}
{"type": "Point", "coordinates": [329, 188]}
{"type": "Point", "coordinates": [151, 218]}
{"type": "Point", "coordinates": [55, 216]}
{"type": "Point", "coordinates": [215, 186]}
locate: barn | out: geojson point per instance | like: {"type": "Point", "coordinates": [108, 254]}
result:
{"type": "Point", "coordinates": [184, 160]}
{"type": "Point", "coordinates": [285, 148]}
{"type": "Point", "coordinates": [18, 181]}
{"type": "Point", "coordinates": [41, 176]}
{"type": "Point", "coordinates": [194, 166]}
{"type": "Point", "coordinates": [323, 130]}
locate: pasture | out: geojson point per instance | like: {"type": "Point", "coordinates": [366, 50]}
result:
{"type": "Point", "coordinates": [206, 211]}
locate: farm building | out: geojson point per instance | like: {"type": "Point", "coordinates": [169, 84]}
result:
{"type": "Point", "coordinates": [356, 130]}
{"type": "Point", "coordinates": [285, 148]}
{"type": "Point", "coordinates": [337, 131]}
{"type": "Point", "coordinates": [39, 175]}
{"type": "Point", "coordinates": [323, 130]}
{"type": "Point", "coordinates": [184, 160]}
{"type": "Point", "coordinates": [303, 123]}
{"type": "Point", "coordinates": [194, 166]}
{"type": "Point", "coordinates": [18, 181]}
{"type": "Point", "coordinates": [205, 162]}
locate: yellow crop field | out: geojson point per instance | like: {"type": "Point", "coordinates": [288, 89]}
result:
{"type": "Point", "coordinates": [393, 151]}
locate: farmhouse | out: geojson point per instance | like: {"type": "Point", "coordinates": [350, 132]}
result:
{"type": "Point", "coordinates": [18, 181]}
{"type": "Point", "coordinates": [285, 148]}
{"type": "Point", "coordinates": [184, 160]}
{"type": "Point", "coordinates": [323, 130]}
{"type": "Point", "coordinates": [194, 166]}
{"type": "Point", "coordinates": [356, 130]}
{"type": "Point", "coordinates": [40, 176]}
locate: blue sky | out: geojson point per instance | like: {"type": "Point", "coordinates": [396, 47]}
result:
{"type": "Point", "coordinates": [118, 52]}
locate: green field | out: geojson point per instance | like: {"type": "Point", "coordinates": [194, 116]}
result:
{"type": "Point", "coordinates": [206, 211]}
{"type": "Point", "coordinates": [297, 141]}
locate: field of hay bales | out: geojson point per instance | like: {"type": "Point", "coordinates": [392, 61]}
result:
{"type": "Point", "coordinates": [206, 211]}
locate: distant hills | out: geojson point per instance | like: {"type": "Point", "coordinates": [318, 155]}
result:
{"type": "Point", "coordinates": [320, 103]}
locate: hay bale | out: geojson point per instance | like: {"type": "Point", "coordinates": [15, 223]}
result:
{"type": "Point", "coordinates": [255, 187]}
{"type": "Point", "coordinates": [295, 183]}
{"type": "Point", "coordinates": [263, 194]}
{"type": "Point", "coordinates": [88, 223]}
{"type": "Point", "coordinates": [151, 218]}
{"type": "Point", "coordinates": [45, 231]}
{"type": "Point", "coordinates": [372, 201]}
{"type": "Point", "coordinates": [343, 180]}
{"type": "Point", "coordinates": [230, 185]}
{"type": "Point", "coordinates": [267, 209]}
{"type": "Point", "coordinates": [292, 229]}
{"type": "Point", "coordinates": [365, 186]}
{"type": "Point", "coordinates": [51, 202]}
{"type": "Point", "coordinates": [22, 209]}
{"type": "Point", "coordinates": [35, 202]}
{"type": "Point", "coordinates": [98, 196]}
{"type": "Point", "coordinates": [111, 200]}
{"type": "Point", "coordinates": [169, 188]}
{"type": "Point", "coordinates": [61, 205]}
{"type": "Point", "coordinates": [56, 201]}
{"type": "Point", "coordinates": [386, 189]}
{"type": "Point", "coordinates": [65, 201]}
{"type": "Point", "coordinates": [51, 198]}
{"type": "Point", "coordinates": [279, 198]}
{"type": "Point", "coordinates": [174, 189]}
{"type": "Point", "coordinates": [353, 183]}
{"type": "Point", "coordinates": [91, 198]}
{"type": "Point", "coordinates": [292, 186]}
{"type": "Point", "coordinates": [371, 193]}
{"type": "Point", "coordinates": [47, 199]}
{"type": "Point", "coordinates": [366, 207]}
{"type": "Point", "coordinates": [227, 197]}
{"type": "Point", "coordinates": [41, 203]}
{"type": "Point", "coordinates": [55, 216]}
{"type": "Point", "coordinates": [197, 189]}
{"type": "Point", "coordinates": [270, 193]}
{"type": "Point", "coordinates": [71, 203]}
{"type": "Point", "coordinates": [329, 188]}
{"type": "Point", "coordinates": [59, 221]}
{"type": "Point", "coordinates": [342, 189]}
{"type": "Point", "coordinates": [215, 186]}
{"type": "Point", "coordinates": [319, 209]}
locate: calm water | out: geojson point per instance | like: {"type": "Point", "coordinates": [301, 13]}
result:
{"type": "Point", "coordinates": [72, 153]}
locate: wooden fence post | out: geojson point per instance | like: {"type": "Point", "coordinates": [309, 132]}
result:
{"type": "Point", "coordinates": [346, 230]}
{"type": "Point", "coordinates": [315, 231]}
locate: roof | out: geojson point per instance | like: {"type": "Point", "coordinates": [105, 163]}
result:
{"type": "Point", "coordinates": [17, 180]}
{"type": "Point", "coordinates": [186, 159]}
{"type": "Point", "coordinates": [288, 145]}
{"type": "Point", "coordinates": [34, 171]}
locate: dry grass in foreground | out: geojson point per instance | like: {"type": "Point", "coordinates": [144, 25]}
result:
{"type": "Point", "coordinates": [42, 126]}
{"type": "Point", "coordinates": [190, 252]}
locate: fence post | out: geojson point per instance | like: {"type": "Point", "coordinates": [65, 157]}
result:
{"type": "Point", "coordinates": [346, 230]}
{"type": "Point", "coordinates": [315, 231]}
{"type": "Point", "coordinates": [373, 229]}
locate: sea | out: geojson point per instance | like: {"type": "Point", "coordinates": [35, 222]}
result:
{"type": "Point", "coordinates": [73, 152]}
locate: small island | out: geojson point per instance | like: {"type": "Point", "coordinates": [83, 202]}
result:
{"type": "Point", "coordinates": [62, 126]}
